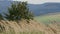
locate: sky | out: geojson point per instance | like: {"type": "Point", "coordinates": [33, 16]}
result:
{"type": "Point", "coordinates": [38, 1]}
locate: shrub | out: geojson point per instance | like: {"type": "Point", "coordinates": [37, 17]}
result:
{"type": "Point", "coordinates": [18, 11]}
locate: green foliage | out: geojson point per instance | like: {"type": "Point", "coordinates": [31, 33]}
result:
{"type": "Point", "coordinates": [1, 17]}
{"type": "Point", "coordinates": [18, 11]}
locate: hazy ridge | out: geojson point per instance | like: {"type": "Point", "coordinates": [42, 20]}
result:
{"type": "Point", "coordinates": [37, 9]}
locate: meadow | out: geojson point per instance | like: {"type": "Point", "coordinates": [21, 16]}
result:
{"type": "Point", "coordinates": [45, 24]}
{"type": "Point", "coordinates": [48, 18]}
{"type": "Point", "coordinates": [12, 27]}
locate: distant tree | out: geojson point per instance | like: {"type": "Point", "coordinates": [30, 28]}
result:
{"type": "Point", "coordinates": [18, 11]}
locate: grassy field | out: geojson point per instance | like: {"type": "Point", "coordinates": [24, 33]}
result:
{"type": "Point", "coordinates": [48, 18]}
{"type": "Point", "coordinates": [25, 33]}
{"type": "Point", "coordinates": [12, 27]}
{"type": "Point", "coordinates": [46, 24]}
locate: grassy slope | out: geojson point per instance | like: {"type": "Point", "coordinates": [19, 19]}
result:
{"type": "Point", "coordinates": [47, 18]}
{"type": "Point", "coordinates": [12, 27]}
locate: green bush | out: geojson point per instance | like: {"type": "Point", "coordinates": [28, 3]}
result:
{"type": "Point", "coordinates": [1, 17]}
{"type": "Point", "coordinates": [18, 11]}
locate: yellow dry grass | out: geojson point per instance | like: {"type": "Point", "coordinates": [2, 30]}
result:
{"type": "Point", "coordinates": [23, 26]}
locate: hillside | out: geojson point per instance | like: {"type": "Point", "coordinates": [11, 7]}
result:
{"type": "Point", "coordinates": [37, 9]}
{"type": "Point", "coordinates": [47, 18]}
{"type": "Point", "coordinates": [41, 9]}
{"type": "Point", "coordinates": [22, 27]}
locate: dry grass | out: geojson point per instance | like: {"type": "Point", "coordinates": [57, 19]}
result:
{"type": "Point", "coordinates": [22, 27]}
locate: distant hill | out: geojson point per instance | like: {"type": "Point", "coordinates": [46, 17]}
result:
{"type": "Point", "coordinates": [41, 9]}
{"type": "Point", "coordinates": [37, 9]}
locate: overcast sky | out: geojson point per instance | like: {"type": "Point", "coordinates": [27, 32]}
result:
{"type": "Point", "coordinates": [38, 1]}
